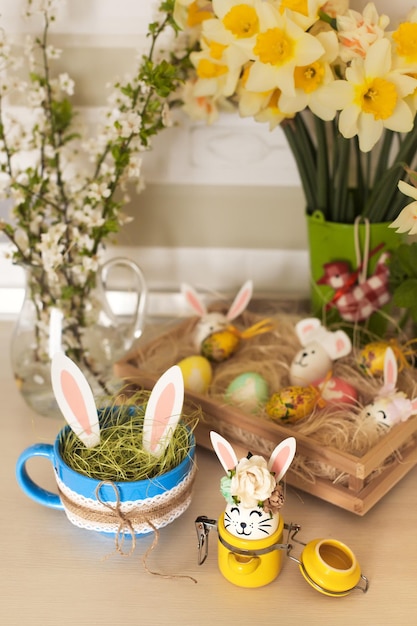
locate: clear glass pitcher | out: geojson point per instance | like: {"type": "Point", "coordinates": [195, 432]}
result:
{"type": "Point", "coordinates": [94, 331]}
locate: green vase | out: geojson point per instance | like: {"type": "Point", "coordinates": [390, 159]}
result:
{"type": "Point", "coordinates": [333, 241]}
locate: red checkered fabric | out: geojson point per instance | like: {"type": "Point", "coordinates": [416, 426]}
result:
{"type": "Point", "coordinates": [363, 299]}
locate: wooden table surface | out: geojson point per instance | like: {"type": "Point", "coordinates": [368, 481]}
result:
{"type": "Point", "coordinates": [53, 573]}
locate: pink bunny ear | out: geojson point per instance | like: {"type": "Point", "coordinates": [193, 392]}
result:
{"type": "Point", "coordinates": [163, 411]}
{"type": "Point", "coordinates": [75, 399]}
{"type": "Point", "coordinates": [224, 451]}
{"type": "Point", "coordinates": [241, 301]}
{"type": "Point", "coordinates": [194, 300]}
{"type": "Point", "coordinates": [390, 370]}
{"type": "Point", "coordinates": [281, 458]}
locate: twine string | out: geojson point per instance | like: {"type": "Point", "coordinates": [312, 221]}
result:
{"type": "Point", "coordinates": [362, 266]}
{"type": "Point", "coordinates": [126, 521]}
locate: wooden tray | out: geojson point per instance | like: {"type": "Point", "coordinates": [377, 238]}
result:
{"type": "Point", "coordinates": [366, 479]}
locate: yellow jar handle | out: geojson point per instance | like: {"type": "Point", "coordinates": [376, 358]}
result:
{"type": "Point", "coordinates": [243, 564]}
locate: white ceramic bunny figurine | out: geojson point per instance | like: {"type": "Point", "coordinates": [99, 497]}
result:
{"type": "Point", "coordinates": [76, 402]}
{"type": "Point", "coordinates": [320, 348]}
{"type": "Point", "coordinates": [390, 406]}
{"type": "Point", "coordinates": [215, 321]}
{"type": "Point", "coordinates": [252, 489]}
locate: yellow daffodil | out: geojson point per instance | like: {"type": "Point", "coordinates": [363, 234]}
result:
{"type": "Point", "coordinates": [406, 222]}
{"type": "Point", "coordinates": [280, 47]}
{"type": "Point", "coordinates": [217, 68]}
{"type": "Point", "coordinates": [405, 43]}
{"type": "Point", "coordinates": [374, 97]}
{"type": "Point", "coordinates": [235, 25]}
{"type": "Point", "coordinates": [271, 113]}
{"type": "Point", "coordinates": [311, 82]}
{"type": "Point", "coordinates": [262, 106]}
{"type": "Point", "coordinates": [192, 13]}
{"type": "Point", "coordinates": [302, 12]}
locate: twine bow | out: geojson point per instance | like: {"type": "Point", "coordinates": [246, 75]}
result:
{"type": "Point", "coordinates": [126, 521]}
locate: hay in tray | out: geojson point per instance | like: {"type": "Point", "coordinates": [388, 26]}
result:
{"type": "Point", "coordinates": [120, 457]}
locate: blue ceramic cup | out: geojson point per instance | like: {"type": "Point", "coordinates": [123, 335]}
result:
{"type": "Point", "coordinates": [136, 507]}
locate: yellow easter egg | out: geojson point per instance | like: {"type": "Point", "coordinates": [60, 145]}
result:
{"type": "Point", "coordinates": [197, 373]}
{"type": "Point", "coordinates": [248, 391]}
{"type": "Point", "coordinates": [220, 345]}
{"type": "Point", "coordinates": [292, 403]}
{"type": "Point", "coordinates": [371, 358]}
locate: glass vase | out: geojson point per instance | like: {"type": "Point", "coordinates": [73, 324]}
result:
{"type": "Point", "coordinates": [83, 325]}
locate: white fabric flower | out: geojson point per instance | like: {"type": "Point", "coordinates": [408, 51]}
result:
{"type": "Point", "coordinates": [252, 482]}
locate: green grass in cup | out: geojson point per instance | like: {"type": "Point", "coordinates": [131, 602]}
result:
{"type": "Point", "coordinates": [120, 456]}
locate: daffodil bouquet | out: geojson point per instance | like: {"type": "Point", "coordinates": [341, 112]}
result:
{"type": "Point", "coordinates": [341, 84]}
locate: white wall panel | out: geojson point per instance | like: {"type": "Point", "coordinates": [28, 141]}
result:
{"type": "Point", "coordinates": [95, 17]}
{"type": "Point", "coordinates": [233, 151]}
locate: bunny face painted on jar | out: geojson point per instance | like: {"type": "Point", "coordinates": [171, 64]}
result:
{"type": "Point", "coordinates": [390, 406]}
{"type": "Point", "coordinates": [249, 523]}
{"type": "Point", "coordinates": [251, 488]}
{"type": "Point", "coordinates": [320, 348]}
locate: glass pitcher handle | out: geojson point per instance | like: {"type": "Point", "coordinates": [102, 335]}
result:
{"type": "Point", "coordinates": [138, 320]}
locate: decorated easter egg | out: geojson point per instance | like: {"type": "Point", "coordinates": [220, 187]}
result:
{"type": "Point", "coordinates": [197, 373]}
{"type": "Point", "coordinates": [248, 391]}
{"type": "Point", "coordinates": [371, 358]}
{"type": "Point", "coordinates": [292, 403]}
{"type": "Point", "coordinates": [220, 345]}
{"type": "Point", "coordinates": [338, 391]}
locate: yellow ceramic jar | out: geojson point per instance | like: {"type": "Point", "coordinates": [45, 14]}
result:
{"type": "Point", "coordinates": [255, 570]}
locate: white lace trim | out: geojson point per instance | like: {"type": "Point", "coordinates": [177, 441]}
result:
{"type": "Point", "coordinates": [130, 506]}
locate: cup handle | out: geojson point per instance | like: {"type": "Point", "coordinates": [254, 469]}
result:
{"type": "Point", "coordinates": [28, 486]}
{"type": "Point", "coordinates": [138, 319]}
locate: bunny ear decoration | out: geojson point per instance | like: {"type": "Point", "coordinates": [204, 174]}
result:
{"type": "Point", "coordinates": [241, 301]}
{"type": "Point", "coordinates": [308, 329]}
{"type": "Point", "coordinates": [224, 451]}
{"type": "Point", "coordinates": [194, 300]}
{"type": "Point", "coordinates": [337, 344]}
{"type": "Point", "coordinates": [75, 399]}
{"type": "Point", "coordinates": [281, 458]}
{"type": "Point", "coordinates": [390, 371]}
{"type": "Point", "coordinates": [163, 411]}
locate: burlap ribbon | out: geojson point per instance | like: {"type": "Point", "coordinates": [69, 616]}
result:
{"type": "Point", "coordinates": [145, 513]}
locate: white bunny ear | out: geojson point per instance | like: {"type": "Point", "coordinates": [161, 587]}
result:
{"type": "Point", "coordinates": [75, 399]}
{"type": "Point", "coordinates": [337, 344]}
{"type": "Point", "coordinates": [241, 301]}
{"type": "Point", "coordinates": [193, 299]}
{"type": "Point", "coordinates": [163, 411]}
{"type": "Point", "coordinates": [306, 328]}
{"type": "Point", "coordinates": [281, 458]}
{"type": "Point", "coordinates": [224, 451]}
{"type": "Point", "coordinates": [390, 370]}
